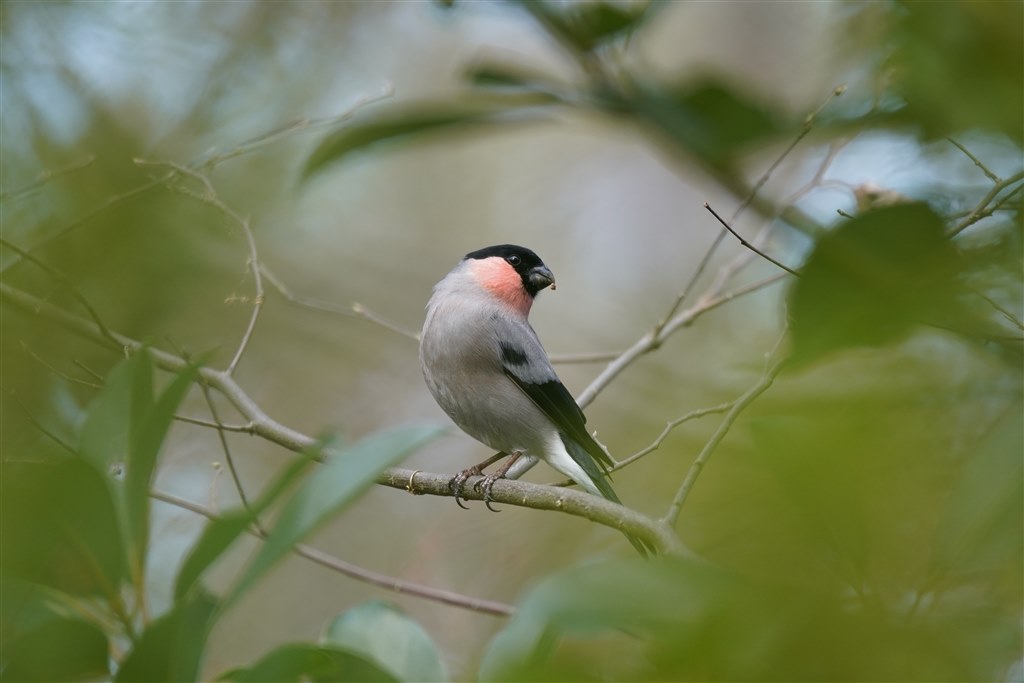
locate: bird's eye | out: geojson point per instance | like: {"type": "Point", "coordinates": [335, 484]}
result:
{"type": "Point", "coordinates": [514, 260]}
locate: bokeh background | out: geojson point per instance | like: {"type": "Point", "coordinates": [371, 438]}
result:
{"type": "Point", "coordinates": [861, 455]}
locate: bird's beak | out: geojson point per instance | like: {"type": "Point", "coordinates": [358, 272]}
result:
{"type": "Point", "coordinates": [541, 277]}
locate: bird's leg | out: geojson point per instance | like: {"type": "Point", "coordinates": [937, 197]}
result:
{"type": "Point", "coordinates": [457, 484]}
{"type": "Point", "coordinates": [487, 483]}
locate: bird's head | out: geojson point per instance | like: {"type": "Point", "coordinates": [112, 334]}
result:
{"type": "Point", "coordinates": [513, 274]}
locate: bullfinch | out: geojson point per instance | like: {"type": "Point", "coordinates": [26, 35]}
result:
{"type": "Point", "coordinates": [486, 368]}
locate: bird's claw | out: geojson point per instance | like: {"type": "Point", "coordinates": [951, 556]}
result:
{"type": "Point", "coordinates": [457, 484]}
{"type": "Point", "coordinates": [484, 487]}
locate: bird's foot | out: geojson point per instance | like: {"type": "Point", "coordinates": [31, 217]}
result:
{"type": "Point", "coordinates": [457, 484]}
{"type": "Point", "coordinates": [485, 485]}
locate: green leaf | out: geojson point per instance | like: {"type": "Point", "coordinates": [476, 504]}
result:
{"type": "Point", "coordinates": [104, 437]}
{"type": "Point", "coordinates": [171, 648]}
{"type": "Point", "coordinates": [221, 533]}
{"type": "Point", "coordinates": [149, 429]}
{"type": "Point", "coordinates": [593, 23]}
{"type": "Point", "coordinates": [301, 662]}
{"type": "Point", "coordinates": [59, 650]}
{"type": "Point", "coordinates": [59, 527]}
{"type": "Point", "coordinates": [660, 597]}
{"type": "Point", "coordinates": [708, 119]}
{"type": "Point", "coordinates": [959, 66]}
{"type": "Point", "coordinates": [871, 280]}
{"type": "Point", "coordinates": [586, 25]}
{"type": "Point", "coordinates": [980, 530]}
{"type": "Point", "coordinates": [345, 475]}
{"type": "Point", "coordinates": [672, 619]}
{"type": "Point", "coordinates": [406, 121]}
{"type": "Point", "coordinates": [384, 634]}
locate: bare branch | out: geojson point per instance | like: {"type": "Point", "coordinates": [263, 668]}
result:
{"type": "Point", "coordinates": [672, 516]}
{"type": "Point", "coordinates": [303, 125]}
{"type": "Point", "coordinates": [977, 162]}
{"type": "Point", "coordinates": [63, 375]}
{"type": "Point", "coordinates": [657, 336]}
{"type": "Point", "coordinates": [209, 196]}
{"type": "Point", "coordinates": [360, 573]}
{"type": "Point", "coordinates": [66, 283]}
{"type": "Point", "coordinates": [594, 357]}
{"type": "Point", "coordinates": [355, 310]}
{"type": "Point", "coordinates": [247, 428]}
{"type": "Point", "coordinates": [982, 210]}
{"type": "Point", "coordinates": [543, 497]}
{"type": "Point", "coordinates": [669, 427]}
{"type": "Point", "coordinates": [748, 245]}
{"type": "Point", "coordinates": [46, 176]}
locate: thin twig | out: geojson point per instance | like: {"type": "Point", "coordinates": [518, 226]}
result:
{"type": "Point", "coordinates": [977, 162]}
{"type": "Point", "coordinates": [247, 428]}
{"type": "Point", "coordinates": [672, 516]}
{"type": "Point", "coordinates": [66, 283]}
{"type": "Point", "coordinates": [63, 375]}
{"type": "Point", "coordinates": [352, 311]}
{"type": "Point", "coordinates": [39, 425]}
{"type": "Point", "coordinates": [982, 210]}
{"type": "Point", "coordinates": [302, 125]}
{"type": "Point", "coordinates": [748, 245]}
{"type": "Point", "coordinates": [222, 437]}
{"type": "Point", "coordinates": [1006, 313]}
{"type": "Point", "coordinates": [761, 181]}
{"type": "Point", "coordinates": [657, 336]}
{"type": "Point", "coordinates": [592, 357]}
{"type": "Point", "coordinates": [360, 573]}
{"type": "Point", "coordinates": [209, 196]}
{"type": "Point", "coordinates": [46, 176]}
{"type": "Point", "coordinates": [208, 163]}
{"type": "Point", "coordinates": [89, 215]}
{"type": "Point", "coordinates": [669, 427]}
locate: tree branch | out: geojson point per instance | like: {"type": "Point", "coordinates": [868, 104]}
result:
{"type": "Point", "coordinates": [517, 493]}
{"type": "Point", "coordinates": [672, 515]}
{"type": "Point", "coordinates": [354, 310]}
{"type": "Point", "coordinates": [209, 196]}
{"type": "Point", "coordinates": [748, 245]}
{"type": "Point", "coordinates": [983, 210]}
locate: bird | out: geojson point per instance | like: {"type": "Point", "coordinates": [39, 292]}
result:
{"type": "Point", "coordinates": [486, 368]}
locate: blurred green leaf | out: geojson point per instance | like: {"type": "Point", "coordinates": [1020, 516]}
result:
{"type": "Point", "coordinates": [981, 527]}
{"type": "Point", "coordinates": [708, 119]}
{"type": "Point", "coordinates": [386, 635]}
{"type": "Point", "coordinates": [171, 648]}
{"type": "Point", "coordinates": [345, 475]}
{"type": "Point", "coordinates": [672, 619]}
{"type": "Point", "coordinates": [585, 25]}
{"type": "Point", "coordinates": [819, 477]}
{"type": "Point", "coordinates": [301, 662]}
{"type": "Point", "coordinates": [221, 533]}
{"type": "Point", "coordinates": [59, 650]}
{"type": "Point", "coordinates": [871, 280]}
{"type": "Point", "coordinates": [405, 121]}
{"type": "Point", "coordinates": [149, 429]}
{"type": "Point", "coordinates": [960, 65]}
{"type": "Point", "coordinates": [105, 437]}
{"type": "Point", "coordinates": [59, 527]}
{"type": "Point", "coordinates": [508, 75]}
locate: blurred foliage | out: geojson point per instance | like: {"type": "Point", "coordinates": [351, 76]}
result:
{"type": "Point", "coordinates": [70, 529]}
{"type": "Point", "coordinates": [868, 525]}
